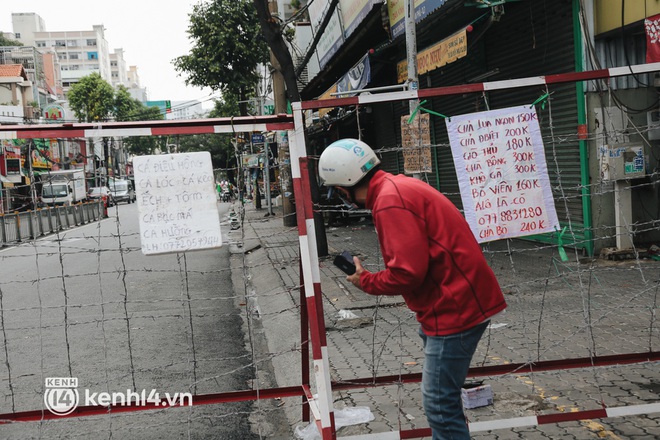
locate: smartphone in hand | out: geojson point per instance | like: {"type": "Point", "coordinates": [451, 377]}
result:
{"type": "Point", "coordinates": [344, 261]}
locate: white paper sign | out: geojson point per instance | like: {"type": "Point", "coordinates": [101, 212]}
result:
{"type": "Point", "coordinates": [502, 173]}
{"type": "Point", "coordinates": [176, 199]}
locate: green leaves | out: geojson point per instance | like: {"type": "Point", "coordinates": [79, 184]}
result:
{"type": "Point", "coordinates": [91, 99]}
{"type": "Point", "coordinates": [226, 46]}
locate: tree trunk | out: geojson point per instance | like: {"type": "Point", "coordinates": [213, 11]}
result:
{"type": "Point", "coordinates": [273, 35]}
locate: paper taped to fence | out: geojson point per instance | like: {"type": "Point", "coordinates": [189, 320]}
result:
{"type": "Point", "coordinates": [502, 173]}
{"type": "Point", "coordinates": [176, 203]}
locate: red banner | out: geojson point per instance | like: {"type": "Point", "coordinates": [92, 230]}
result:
{"type": "Point", "coordinates": [652, 25]}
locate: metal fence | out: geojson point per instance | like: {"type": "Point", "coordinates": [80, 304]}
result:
{"type": "Point", "coordinates": [20, 226]}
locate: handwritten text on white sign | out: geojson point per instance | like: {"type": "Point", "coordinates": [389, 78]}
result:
{"type": "Point", "coordinates": [176, 203]}
{"type": "Point", "coordinates": [502, 173]}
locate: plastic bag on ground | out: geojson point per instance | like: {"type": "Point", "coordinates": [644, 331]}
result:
{"type": "Point", "coordinates": [343, 417]}
{"type": "Point", "coordinates": [347, 314]}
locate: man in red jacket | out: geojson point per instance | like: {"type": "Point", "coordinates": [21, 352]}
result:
{"type": "Point", "coordinates": [431, 259]}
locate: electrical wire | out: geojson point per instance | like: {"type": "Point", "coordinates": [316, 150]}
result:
{"type": "Point", "coordinates": [623, 39]}
{"type": "Point", "coordinates": [595, 61]}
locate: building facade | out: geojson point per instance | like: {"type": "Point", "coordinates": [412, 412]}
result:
{"type": "Point", "coordinates": [118, 71]}
{"type": "Point", "coordinates": [80, 53]}
{"type": "Point", "coordinates": [364, 44]}
{"type": "Point", "coordinates": [34, 64]}
{"type": "Point", "coordinates": [135, 89]}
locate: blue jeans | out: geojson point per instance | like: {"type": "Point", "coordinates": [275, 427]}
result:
{"type": "Point", "coordinates": [446, 364]}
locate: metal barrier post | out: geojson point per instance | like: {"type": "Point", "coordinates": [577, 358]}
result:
{"type": "Point", "coordinates": [4, 232]}
{"type": "Point", "coordinates": [50, 219]}
{"type": "Point", "coordinates": [66, 216]}
{"type": "Point", "coordinates": [58, 218]}
{"type": "Point", "coordinates": [322, 407]}
{"type": "Point", "coordinates": [18, 226]}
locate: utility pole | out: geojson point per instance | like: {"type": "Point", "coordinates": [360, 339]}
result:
{"type": "Point", "coordinates": [411, 55]}
{"type": "Point", "coordinates": [267, 176]}
{"type": "Point", "coordinates": [279, 98]}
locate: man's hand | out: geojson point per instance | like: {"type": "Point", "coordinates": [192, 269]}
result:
{"type": "Point", "coordinates": [355, 278]}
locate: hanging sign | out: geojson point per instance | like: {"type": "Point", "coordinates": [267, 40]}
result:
{"type": "Point", "coordinates": [251, 160]}
{"type": "Point", "coordinates": [176, 200]}
{"type": "Point", "coordinates": [444, 52]}
{"type": "Point", "coordinates": [332, 37]}
{"type": "Point", "coordinates": [502, 173]}
{"type": "Point", "coordinates": [54, 113]}
{"type": "Point", "coordinates": [397, 13]}
{"type": "Point", "coordinates": [652, 27]}
{"type": "Point", "coordinates": [416, 143]}
{"type": "Point", "coordinates": [357, 77]}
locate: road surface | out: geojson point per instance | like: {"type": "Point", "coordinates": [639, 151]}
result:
{"type": "Point", "coordinates": [87, 304]}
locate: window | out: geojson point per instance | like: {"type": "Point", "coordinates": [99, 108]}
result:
{"type": "Point", "coordinates": [17, 35]}
{"type": "Point", "coordinates": [41, 44]}
{"type": "Point", "coordinates": [62, 56]}
{"type": "Point", "coordinates": [74, 67]}
{"type": "Point", "coordinates": [92, 55]}
{"type": "Point", "coordinates": [60, 43]}
{"type": "Point", "coordinates": [72, 43]}
{"type": "Point", "coordinates": [74, 56]}
{"type": "Point", "coordinates": [65, 67]}
{"type": "Point", "coordinates": [113, 63]}
{"type": "Point", "coordinates": [91, 42]}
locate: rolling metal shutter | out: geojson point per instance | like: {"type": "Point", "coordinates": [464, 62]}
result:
{"type": "Point", "coordinates": [532, 38]}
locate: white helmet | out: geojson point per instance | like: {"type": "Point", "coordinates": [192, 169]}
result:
{"type": "Point", "coordinates": [346, 162]}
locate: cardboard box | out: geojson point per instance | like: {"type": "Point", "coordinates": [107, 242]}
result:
{"type": "Point", "coordinates": [476, 396]}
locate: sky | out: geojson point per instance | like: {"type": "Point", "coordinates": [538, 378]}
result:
{"type": "Point", "coordinates": [151, 32]}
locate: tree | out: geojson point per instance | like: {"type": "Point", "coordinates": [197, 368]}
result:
{"type": "Point", "coordinates": [227, 47]}
{"type": "Point", "coordinates": [273, 32]}
{"type": "Point", "coordinates": [92, 99]}
{"type": "Point", "coordinates": [126, 108]}
{"type": "Point", "coordinates": [220, 146]}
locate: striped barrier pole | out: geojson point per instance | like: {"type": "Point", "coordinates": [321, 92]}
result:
{"type": "Point", "coordinates": [321, 407]}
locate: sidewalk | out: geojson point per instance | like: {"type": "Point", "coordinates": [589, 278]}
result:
{"type": "Point", "coordinates": [377, 336]}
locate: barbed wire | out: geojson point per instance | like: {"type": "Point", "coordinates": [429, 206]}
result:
{"type": "Point", "coordinates": [582, 306]}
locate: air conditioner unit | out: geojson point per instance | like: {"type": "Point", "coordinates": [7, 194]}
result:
{"type": "Point", "coordinates": [622, 162]}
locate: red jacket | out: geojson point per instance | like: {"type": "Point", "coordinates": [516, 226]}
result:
{"type": "Point", "coordinates": [431, 257]}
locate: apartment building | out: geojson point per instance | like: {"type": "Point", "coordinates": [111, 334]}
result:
{"type": "Point", "coordinates": [135, 89]}
{"type": "Point", "coordinates": [79, 53]}
{"type": "Point", "coordinates": [25, 24]}
{"type": "Point", "coordinates": [118, 72]}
